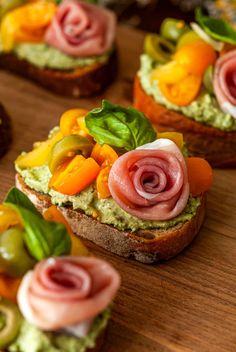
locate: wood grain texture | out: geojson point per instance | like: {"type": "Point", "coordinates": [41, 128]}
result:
{"type": "Point", "coordinates": [186, 304]}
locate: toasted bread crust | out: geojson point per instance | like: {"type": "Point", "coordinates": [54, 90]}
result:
{"type": "Point", "coordinates": [146, 246]}
{"type": "Point", "coordinates": [77, 83]}
{"type": "Point", "coordinates": [5, 131]}
{"type": "Point", "coordinates": [217, 146]}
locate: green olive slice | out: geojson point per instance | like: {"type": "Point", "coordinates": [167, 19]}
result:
{"type": "Point", "coordinates": [172, 29]}
{"type": "Point", "coordinates": [10, 322]}
{"type": "Point", "coordinates": [208, 79]}
{"type": "Point", "coordinates": [8, 5]}
{"type": "Point", "coordinates": [68, 147]}
{"type": "Point", "coordinates": [158, 48]}
{"type": "Point", "coordinates": [14, 259]}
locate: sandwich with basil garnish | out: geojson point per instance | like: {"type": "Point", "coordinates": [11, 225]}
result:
{"type": "Point", "coordinates": [186, 83]}
{"type": "Point", "coordinates": [54, 296]}
{"type": "Point", "coordinates": [119, 182]}
{"type": "Point", "coordinates": [68, 48]}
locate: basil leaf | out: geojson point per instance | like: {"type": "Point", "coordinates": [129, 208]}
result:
{"type": "Point", "coordinates": [216, 28]}
{"type": "Point", "coordinates": [119, 127]}
{"type": "Point", "coordinates": [15, 196]}
{"type": "Point", "coordinates": [43, 238]}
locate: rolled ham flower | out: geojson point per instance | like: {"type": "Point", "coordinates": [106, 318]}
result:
{"type": "Point", "coordinates": [151, 182]}
{"type": "Point", "coordinates": [64, 292]}
{"type": "Point", "coordinates": [224, 82]}
{"type": "Point", "coordinates": [80, 29]}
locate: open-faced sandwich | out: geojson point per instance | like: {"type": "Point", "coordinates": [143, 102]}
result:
{"type": "Point", "coordinates": [54, 296]}
{"type": "Point", "coordinates": [68, 48]}
{"type": "Point", "coordinates": [186, 83]}
{"type": "Point", "coordinates": [5, 131]}
{"type": "Point", "coordinates": [119, 183]}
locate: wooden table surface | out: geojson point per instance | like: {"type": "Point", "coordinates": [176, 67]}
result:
{"type": "Point", "coordinates": [186, 304]}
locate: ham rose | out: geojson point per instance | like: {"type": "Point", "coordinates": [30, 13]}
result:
{"type": "Point", "coordinates": [151, 182]}
{"type": "Point", "coordinates": [66, 291]}
{"type": "Point", "coordinates": [80, 29]}
{"type": "Point", "coordinates": [225, 82]}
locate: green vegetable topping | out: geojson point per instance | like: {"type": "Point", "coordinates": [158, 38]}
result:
{"type": "Point", "coordinates": [119, 127]}
{"type": "Point", "coordinates": [8, 5]}
{"type": "Point", "coordinates": [14, 259]}
{"type": "Point", "coordinates": [173, 29]}
{"type": "Point", "coordinates": [43, 238]}
{"type": "Point", "coordinates": [158, 48]}
{"type": "Point", "coordinates": [208, 79]}
{"type": "Point", "coordinates": [216, 28]}
{"type": "Point", "coordinates": [68, 147]}
{"type": "Point", "coordinates": [10, 322]}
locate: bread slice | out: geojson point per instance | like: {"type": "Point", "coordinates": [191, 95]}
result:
{"type": "Point", "coordinates": [146, 246]}
{"type": "Point", "coordinates": [80, 82]}
{"type": "Point", "coordinates": [213, 144]}
{"type": "Point", "coordinates": [5, 131]}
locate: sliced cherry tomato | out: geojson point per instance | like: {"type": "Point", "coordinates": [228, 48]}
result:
{"type": "Point", "coordinates": [9, 287]}
{"type": "Point", "coordinates": [78, 175]}
{"type": "Point", "coordinates": [183, 92]}
{"type": "Point", "coordinates": [200, 175]}
{"type": "Point", "coordinates": [176, 137]}
{"type": "Point", "coordinates": [40, 154]}
{"type": "Point", "coordinates": [71, 122]}
{"type": "Point", "coordinates": [102, 183]}
{"type": "Point", "coordinates": [196, 57]}
{"type": "Point", "coordinates": [104, 154]}
{"type": "Point", "coordinates": [169, 73]}
{"type": "Point", "coordinates": [8, 218]}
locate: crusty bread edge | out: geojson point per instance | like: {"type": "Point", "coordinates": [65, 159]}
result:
{"type": "Point", "coordinates": [146, 246]}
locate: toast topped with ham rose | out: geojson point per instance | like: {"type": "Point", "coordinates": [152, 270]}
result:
{"type": "Point", "coordinates": [186, 83]}
{"type": "Point", "coordinates": [54, 296]}
{"type": "Point", "coordinates": [118, 182]}
{"type": "Point", "coordinates": [68, 48]}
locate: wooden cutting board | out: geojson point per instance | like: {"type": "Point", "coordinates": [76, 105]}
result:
{"type": "Point", "coordinates": [186, 304]}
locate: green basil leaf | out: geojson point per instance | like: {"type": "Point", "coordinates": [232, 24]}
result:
{"type": "Point", "coordinates": [216, 28]}
{"type": "Point", "coordinates": [125, 128]}
{"type": "Point", "coordinates": [43, 238]}
{"type": "Point", "coordinates": [15, 196]}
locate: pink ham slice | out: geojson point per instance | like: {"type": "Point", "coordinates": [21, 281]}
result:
{"type": "Point", "coordinates": [66, 291]}
{"type": "Point", "coordinates": [81, 29]}
{"type": "Point", "coordinates": [225, 82]}
{"type": "Point", "coordinates": [151, 181]}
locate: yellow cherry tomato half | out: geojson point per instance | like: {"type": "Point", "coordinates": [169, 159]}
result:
{"type": "Point", "coordinates": [183, 92]}
{"type": "Point", "coordinates": [72, 122]}
{"type": "Point", "coordinates": [196, 57]}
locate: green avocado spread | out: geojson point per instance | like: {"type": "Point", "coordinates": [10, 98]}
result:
{"type": "Point", "coordinates": [107, 210]}
{"type": "Point", "coordinates": [44, 56]}
{"type": "Point", "coordinates": [204, 109]}
{"type": "Point", "coordinates": [31, 339]}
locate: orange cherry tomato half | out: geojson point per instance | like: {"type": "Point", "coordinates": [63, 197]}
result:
{"type": "Point", "coordinates": [183, 92]}
{"type": "Point", "coordinates": [196, 57]}
{"type": "Point", "coordinates": [200, 175]}
{"type": "Point", "coordinates": [102, 183]}
{"type": "Point", "coordinates": [9, 287]}
{"type": "Point", "coordinates": [104, 154]}
{"type": "Point", "coordinates": [71, 121]}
